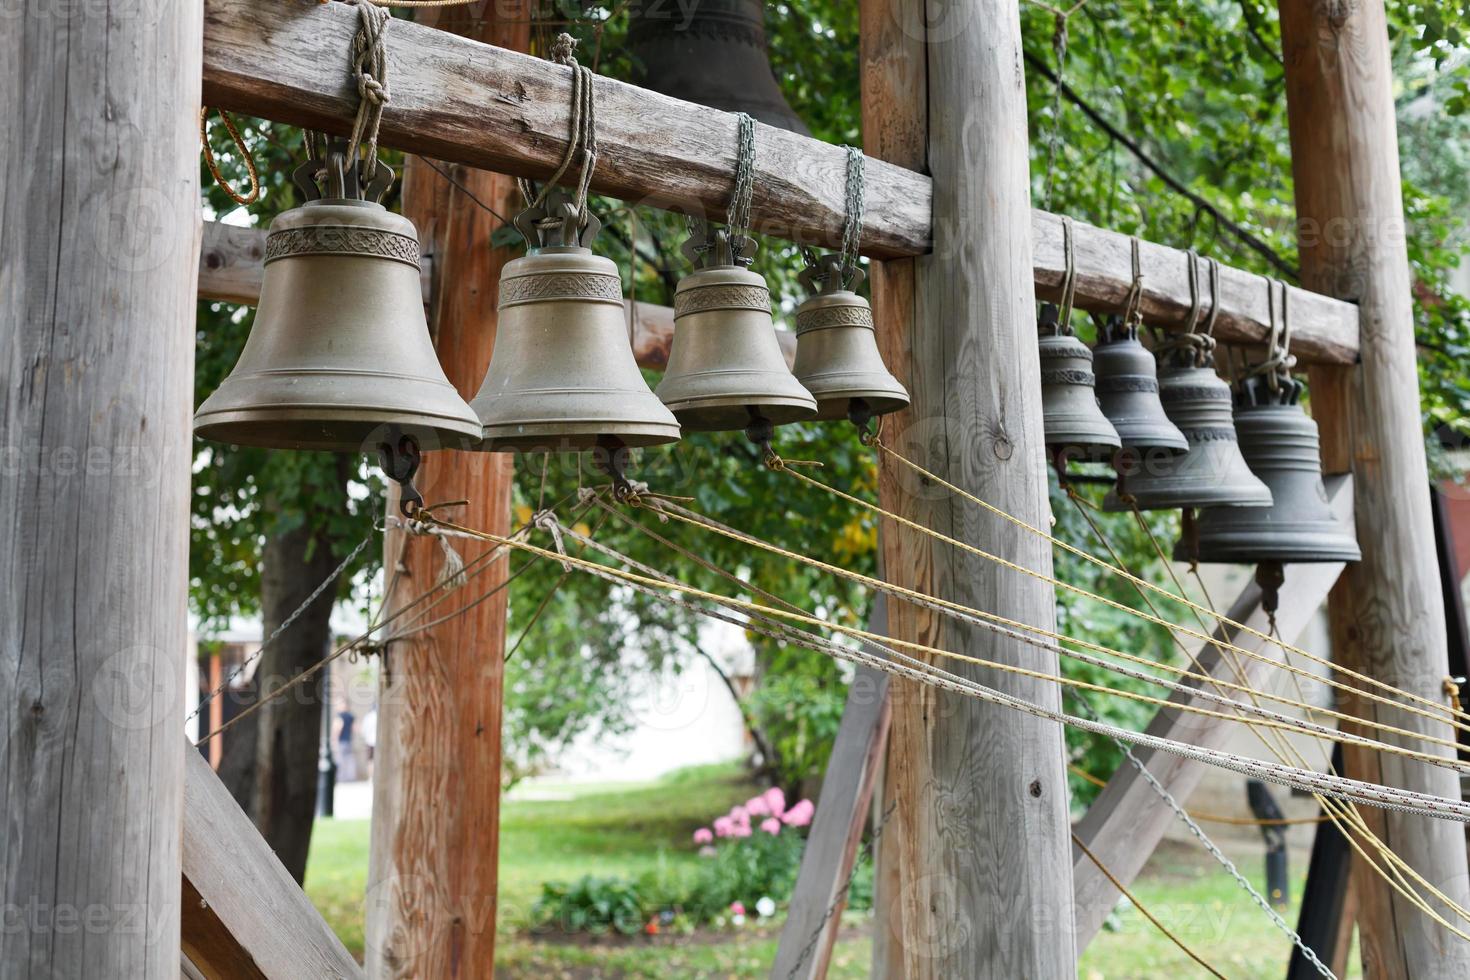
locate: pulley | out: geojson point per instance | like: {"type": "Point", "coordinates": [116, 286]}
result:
{"type": "Point", "coordinates": [726, 369]}
{"type": "Point", "coordinates": [1075, 426]}
{"type": "Point", "coordinates": [562, 375]}
{"type": "Point", "coordinates": [712, 52]}
{"type": "Point", "coordinates": [1280, 444]}
{"type": "Point", "coordinates": [837, 357]}
{"type": "Point", "coordinates": [1128, 391]}
{"type": "Point", "coordinates": [339, 356]}
{"type": "Point", "coordinates": [1213, 473]}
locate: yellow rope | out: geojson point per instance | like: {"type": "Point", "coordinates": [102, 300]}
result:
{"type": "Point", "coordinates": [243, 150]}
{"type": "Point", "coordinates": [1122, 888]}
{"type": "Point", "coordinates": [1140, 582]}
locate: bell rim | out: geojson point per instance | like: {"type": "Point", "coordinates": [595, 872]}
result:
{"type": "Point", "coordinates": [575, 436]}
{"type": "Point", "coordinates": [834, 408]}
{"type": "Point", "coordinates": [234, 427]}
{"type": "Point", "coordinates": [694, 418]}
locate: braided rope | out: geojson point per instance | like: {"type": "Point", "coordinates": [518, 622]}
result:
{"type": "Point", "coordinates": [370, 71]}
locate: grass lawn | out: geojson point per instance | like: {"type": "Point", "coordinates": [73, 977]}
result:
{"type": "Point", "coordinates": [628, 830]}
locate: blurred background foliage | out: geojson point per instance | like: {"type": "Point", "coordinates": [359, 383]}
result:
{"type": "Point", "coordinates": [1173, 127]}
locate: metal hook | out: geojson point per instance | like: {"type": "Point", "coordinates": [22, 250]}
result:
{"type": "Point", "coordinates": [399, 461]}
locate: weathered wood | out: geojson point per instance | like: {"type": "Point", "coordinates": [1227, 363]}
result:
{"type": "Point", "coordinates": [477, 105]}
{"type": "Point", "coordinates": [984, 845]}
{"type": "Point", "coordinates": [837, 829]}
{"type": "Point", "coordinates": [1127, 820]}
{"type": "Point", "coordinates": [243, 913]}
{"type": "Point", "coordinates": [436, 797]}
{"type": "Point", "coordinates": [1387, 614]}
{"type": "Point", "coordinates": [98, 193]}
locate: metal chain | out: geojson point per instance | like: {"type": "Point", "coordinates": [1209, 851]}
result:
{"type": "Point", "coordinates": [738, 217]}
{"type": "Point", "coordinates": [852, 215]}
{"type": "Point", "coordinates": [1214, 851]}
{"type": "Point", "coordinates": [285, 625]}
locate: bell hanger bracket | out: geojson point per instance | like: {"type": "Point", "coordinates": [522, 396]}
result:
{"type": "Point", "coordinates": [331, 173]}
{"type": "Point", "coordinates": [829, 273]}
{"type": "Point", "coordinates": [557, 222]}
{"type": "Point", "coordinates": [709, 246]}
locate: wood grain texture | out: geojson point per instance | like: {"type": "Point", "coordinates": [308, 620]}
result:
{"type": "Point", "coordinates": [987, 888]}
{"type": "Point", "coordinates": [98, 246]}
{"type": "Point", "coordinates": [820, 895]}
{"type": "Point", "coordinates": [1127, 820]}
{"type": "Point", "coordinates": [243, 913]}
{"type": "Point", "coordinates": [1387, 611]}
{"type": "Point", "coordinates": [433, 866]}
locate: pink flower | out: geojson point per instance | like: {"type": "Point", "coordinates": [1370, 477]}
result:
{"type": "Point", "coordinates": [757, 806]}
{"type": "Point", "coordinates": [724, 827]}
{"type": "Point", "coordinates": [771, 825]}
{"type": "Point", "coordinates": [775, 801]}
{"type": "Point", "coordinates": [739, 814]}
{"type": "Point", "coordinates": [737, 908]}
{"type": "Point", "coordinates": [740, 830]}
{"type": "Point", "coordinates": [703, 836]}
{"type": "Point", "coordinates": [799, 815]}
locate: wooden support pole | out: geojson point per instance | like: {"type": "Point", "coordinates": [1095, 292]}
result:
{"type": "Point", "coordinates": [99, 194]}
{"type": "Point", "coordinates": [436, 793]}
{"type": "Point", "coordinates": [1127, 820]}
{"type": "Point", "coordinates": [1387, 613]}
{"type": "Point", "coordinates": [473, 104]}
{"type": "Point", "coordinates": [987, 889]}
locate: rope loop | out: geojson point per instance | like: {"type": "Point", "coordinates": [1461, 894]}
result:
{"type": "Point", "coordinates": [240, 147]}
{"type": "Point", "coordinates": [581, 137]}
{"type": "Point", "coordinates": [370, 72]}
{"type": "Point", "coordinates": [1069, 276]}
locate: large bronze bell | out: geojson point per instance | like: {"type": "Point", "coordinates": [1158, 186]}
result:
{"type": "Point", "coordinates": [1213, 473]}
{"type": "Point", "coordinates": [1075, 427]}
{"type": "Point", "coordinates": [712, 52]}
{"type": "Point", "coordinates": [339, 357]}
{"type": "Point", "coordinates": [1128, 391]}
{"type": "Point", "coordinates": [726, 370]}
{"type": "Point", "coordinates": [837, 357]}
{"type": "Point", "coordinates": [1280, 444]}
{"type": "Point", "coordinates": [562, 375]}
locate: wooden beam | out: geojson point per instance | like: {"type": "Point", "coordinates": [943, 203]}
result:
{"type": "Point", "coordinates": [243, 913]}
{"type": "Point", "coordinates": [1127, 820]}
{"type": "Point", "coordinates": [433, 866]}
{"type": "Point", "coordinates": [984, 839]}
{"type": "Point", "coordinates": [820, 895]}
{"type": "Point", "coordinates": [470, 103]}
{"type": "Point", "coordinates": [98, 190]}
{"type": "Point", "coordinates": [1387, 612]}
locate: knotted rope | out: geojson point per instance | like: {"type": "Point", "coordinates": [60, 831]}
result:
{"type": "Point", "coordinates": [370, 71]}
{"type": "Point", "coordinates": [1191, 347]}
{"type": "Point", "coordinates": [581, 132]}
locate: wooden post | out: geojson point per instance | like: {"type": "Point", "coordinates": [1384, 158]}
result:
{"type": "Point", "coordinates": [99, 194]}
{"type": "Point", "coordinates": [983, 836]}
{"type": "Point", "coordinates": [436, 800]}
{"type": "Point", "coordinates": [1386, 611]}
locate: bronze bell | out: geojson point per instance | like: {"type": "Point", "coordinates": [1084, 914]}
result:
{"type": "Point", "coordinates": [562, 375]}
{"type": "Point", "coordinates": [1128, 390]}
{"type": "Point", "coordinates": [726, 369]}
{"type": "Point", "coordinates": [1076, 428]}
{"type": "Point", "coordinates": [712, 52]}
{"type": "Point", "coordinates": [837, 357]}
{"type": "Point", "coordinates": [1280, 443]}
{"type": "Point", "coordinates": [339, 356]}
{"type": "Point", "coordinates": [1213, 473]}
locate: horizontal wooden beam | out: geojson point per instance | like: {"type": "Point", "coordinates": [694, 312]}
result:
{"type": "Point", "coordinates": [1127, 820]}
{"type": "Point", "coordinates": [482, 106]}
{"type": "Point", "coordinates": [243, 913]}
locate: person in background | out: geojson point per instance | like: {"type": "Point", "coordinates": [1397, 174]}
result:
{"type": "Point", "coordinates": [346, 761]}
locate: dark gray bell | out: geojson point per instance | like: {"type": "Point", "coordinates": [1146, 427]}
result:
{"type": "Point", "coordinates": [726, 369]}
{"type": "Point", "coordinates": [837, 357]}
{"type": "Point", "coordinates": [712, 52]}
{"type": "Point", "coordinates": [1076, 428]}
{"type": "Point", "coordinates": [1213, 473]}
{"type": "Point", "coordinates": [1280, 444]}
{"type": "Point", "coordinates": [1128, 391]}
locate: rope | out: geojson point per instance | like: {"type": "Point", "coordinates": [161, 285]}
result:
{"type": "Point", "coordinates": [1387, 797]}
{"type": "Point", "coordinates": [1197, 349]}
{"type": "Point", "coordinates": [285, 625]}
{"type": "Point", "coordinates": [582, 132]}
{"type": "Point", "coordinates": [1142, 908]}
{"type": "Point", "coordinates": [1276, 366]}
{"type": "Point", "coordinates": [1157, 590]}
{"type": "Point", "coordinates": [370, 68]}
{"type": "Point", "coordinates": [738, 216]}
{"type": "Point", "coordinates": [240, 147]}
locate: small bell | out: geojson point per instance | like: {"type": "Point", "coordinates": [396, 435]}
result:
{"type": "Point", "coordinates": [1128, 390]}
{"type": "Point", "coordinates": [1076, 428]}
{"type": "Point", "coordinates": [562, 376]}
{"type": "Point", "coordinates": [339, 356]}
{"type": "Point", "coordinates": [837, 357]}
{"type": "Point", "coordinates": [726, 369]}
{"type": "Point", "coordinates": [1280, 443]}
{"type": "Point", "coordinates": [1213, 473]}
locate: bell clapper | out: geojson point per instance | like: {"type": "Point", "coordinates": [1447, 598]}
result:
{"type": "Point", "coordinates": [1269, 576]}
{"type": "Point", "coordinates": [760, 431]}
{"type": "Point", "coordinates": [399, 461]}
{"type": "Point", "coordinates": [610, 456]}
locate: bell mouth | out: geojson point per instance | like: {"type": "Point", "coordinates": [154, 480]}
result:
{"type": "Point", "coordinates": [722, 415]}
{"type": "Point", "coordinates": [574, 437]}
{"type": "Point", "coordinates": [340, 431]}
{"type": "Point", "coordinates": [835, 408]}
